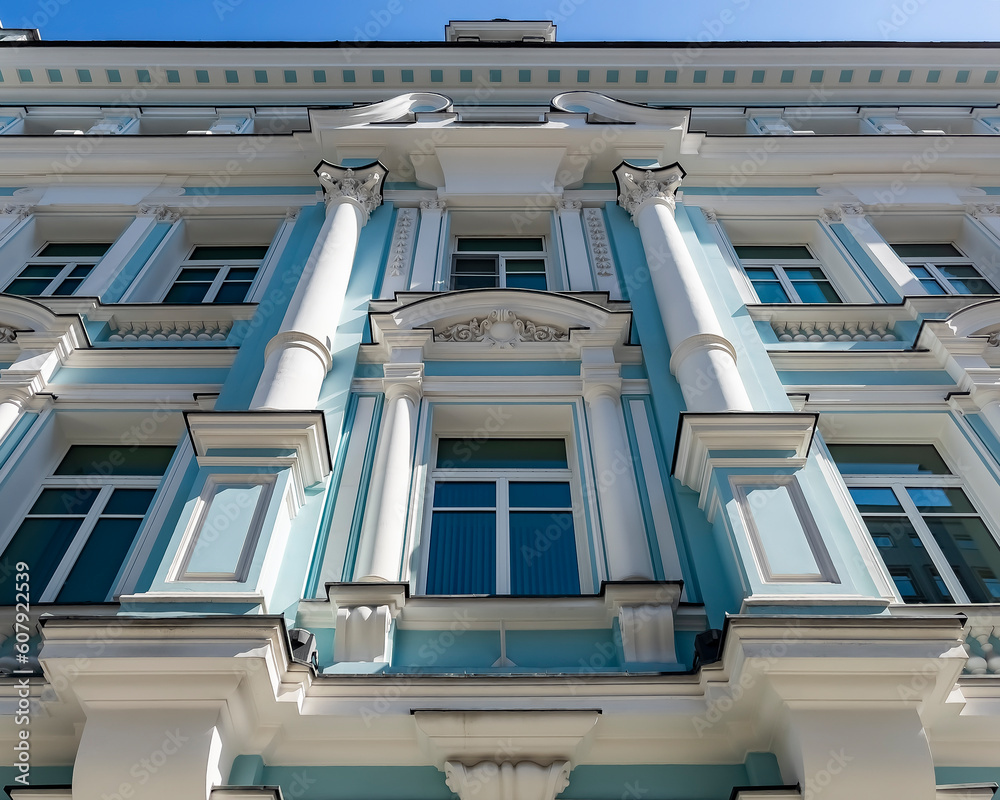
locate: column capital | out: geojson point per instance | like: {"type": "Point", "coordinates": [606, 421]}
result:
{"type": "Point", "coordinates": [20, 211]}
{"type": "Point", "coordinates": [638, 186]}
{"type": "Point", "coordinates": [361, 187]}
{"type": "Point", "coordinates": [159, 213]}
{"type": "Point", "coordinates": [433, 205]}
{"type": "Point", "coordinates": [403, 380]}
{"type": "Point", "coordinates": [569, 205]}
{"type": "Point", "coordinates": [978, 210]}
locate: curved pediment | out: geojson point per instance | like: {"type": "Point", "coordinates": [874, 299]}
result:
{"type": "Point", "coordinates": [21, 314]}
{"type": "Point", "coordinates": [515, 322]}
{"type": "Point", "coordinates": [981, 319]}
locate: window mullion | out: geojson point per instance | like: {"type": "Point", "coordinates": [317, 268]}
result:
{"type": "Point", "coordinates": [503, 536]}
{"type": "Point", "coordinates": [942, 281]}
{"type": "Point", "coordinates": [786, 284]}
{"type": "Point", "coordinates": [930, 544]}
{"type": "Point", "coordinates": [220, 277]}
{"type": "Point", "coordinates": [77, 545]}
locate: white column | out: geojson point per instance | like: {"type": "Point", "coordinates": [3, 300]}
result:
{"type": "Point", "coordinates": [299, 356]}
{"type": "Point", "coordinates": [97, 282]}
{"type": "Point", "coordinates": [581, 278]}
{"type": "Point", "coordinates": [702, 359]}
{"type": "Point", "coordinates": [625, 539]}
{"type": "Point", "coordinates": [30, 373]}
{"type": "Point", "coordinates": [425, 256]}
{"type": "Point", "coordinates": [878, 249]}
{"type": "Point", "coordinates": [384, 531]}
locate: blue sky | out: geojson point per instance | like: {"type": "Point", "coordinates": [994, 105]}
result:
{"type": "Point", "coordinates": [578, 20]}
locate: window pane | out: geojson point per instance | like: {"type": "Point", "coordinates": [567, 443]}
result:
{"type": "Point", "coordinates": [468, 244]}
{"type": "Point", "coordinates": [456, 494]}
{"type": "Point", "coordinates": [908, 563]}
{"type": "Point", "coordinates": [973, 553]}
{"type": "Point", "coordinates": [40, 543]}
{"type": "Point", "coordinates": [926, 250]}
{"type": "Point", "coordinates": [92, 576]}
{"type": "Point", "coordinates": [526, 281]}
{"type": "Point", "coordinates": [972, 286]}
{"type": "Point", "coordinates": [818, 292]}
{"type": "Point", "coordinates": [241, 274]}
{"type": "Point", "coordinates": [543, 554]}
{"type": "Point", "coordinates": [74, 250]}
{"type": "Point", "coordinates": [875, 499]}
{"type": "Point", "coordinates": [502, 454]}
{"type": "Point", "coordinates": [921, 272]}
{"type": "Point", "coordinates": [937, 500]}
{"type": "Point", "coordinates": [27, 288]}
{"type": "Point", "coordinates": [187, 293]}
{"type": "Point", "coordinates": [476, 266]}
{"type": "Point", "coordinates": [41, 270]}
{"type": "Point", "coordinates": [540, 495]}
{"type": "Point", "coordinates": [524, 265]}
{"type": "Point", "coordinates": [931, 286]}
{"type": "Point", "coordinates": [463, 553]}
{"type": "Point", "coordinates": [770, 292]}
{"type": "Point", "coordinates": [888, 459]}
{"type": "Point", "coordinates": [776, 252]}
{"type": "Point", "coordinates": [761, 273]}
{"type": "Point", "coordinates": [65, 502]}
{"type": "Point", "coordinates": [81, 272]}
{"type": "Point", "coordinates": [474, 282]}
{"type": "Point", "coordinates": [114, 460]}
{"type": "Point", "coordinates": [804, 273]}
{"type": "Point", "coordinates": [207, 275]}
{"type": "Point", "coordinates": [228, 252]}
{"type": "Point", "coordinates": [129, 501]}
{"type": "Point", "coordinates": [233, 292]}
{"type": "Point", "coordinates": [67, 287]}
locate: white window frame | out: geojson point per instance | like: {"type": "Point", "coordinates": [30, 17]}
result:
{"type": "Point", "coordinates": [939, 277]}
{"type": "Point", "coordinates": [106, 485]}
{"type": "Point", "coordinates": [501, 479]}
{"type": "Point", "coordinates": [57, 280]}
{"type": "Point", "coordinates": [899, 483]}
{"type": "Point", "coordinates": [191, 537]}
{"type": "Point", "coordinates": [779, 271]}
{"type": "Point", "coordinates": [502, 256]}
{"type": "Point", "coordinates": [223, 265]}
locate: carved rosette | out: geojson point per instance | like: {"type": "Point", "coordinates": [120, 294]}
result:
{"type": "Point", "coordinates": [637, 186]}
{"type": "Point", "coordinates": [597, 239]}
{"type": "Point", "coordinates": [402, 241]}
{"type": "Point", "coordinates": [363, 186]}
{"type": "Point", "coordinates": [502, 329]}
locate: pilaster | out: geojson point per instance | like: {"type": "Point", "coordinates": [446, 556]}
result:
{"type": "Point", "coordinates": [426, 253]}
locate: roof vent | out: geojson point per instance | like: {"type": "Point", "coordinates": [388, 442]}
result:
{"type": "Point", "coordinates": [500, 30]}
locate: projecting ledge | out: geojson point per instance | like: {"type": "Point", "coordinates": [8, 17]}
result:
{"type": "Point", "coordinates": [706, 442]}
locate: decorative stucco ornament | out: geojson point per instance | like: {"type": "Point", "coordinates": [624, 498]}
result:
{"type": "Point", "coordinates": [502, 329]}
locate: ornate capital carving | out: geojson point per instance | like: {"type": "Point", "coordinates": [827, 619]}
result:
{"type": "Point", "coordinates": [710, 215]}
{"type": "Point", "coordinates": [363, 186]}
{"type": "Point", "coordinates": [830, 215]}
{"type": "Point", "coordinates": [502, 329]}
{"type": "Point", "coordinates": [7, 335]}
{"type": "Point", "coordinates": [19, 211]}
{"type": "Point", "coordinates": [994, 339]}
{"type": "Point", "coordinates": [569, 205]}
{"type": "Point", "coordinates": [490, 780]}
{"type": "Point", "coordinates": [160, 213]}
{"type": "Point", "coordinates": [433, 205]}
{"type": "Point", "coordinates": [982, 210]}
{"type": "Point", "coordinates": [852, 210]}
{"type": "Point", "coordinates": [638, 186]}
{"type": "Point", "coordinates": [292, 214]}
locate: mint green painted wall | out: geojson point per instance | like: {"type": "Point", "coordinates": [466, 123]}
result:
{"type": "Point", "coordinates": [239, 387]}
{"type": "Point", "coordinates": [707, 580]}
{"type": "Point", "coordinates": [134, 265]}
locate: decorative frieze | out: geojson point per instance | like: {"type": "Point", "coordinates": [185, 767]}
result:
{"type": "Point", "coordinates": [597, 241]}
{"type": "Point", "coordinates": [402, 241]}
{"type": "Point", "coordinates": [169, 330]}
{"type": "Point", "coordinates": [869, 331]}
{"type": "Point", "coordinates": [503, 329]}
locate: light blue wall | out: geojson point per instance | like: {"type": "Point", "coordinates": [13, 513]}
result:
{"type": "Point", "coordinates": [131, 268]}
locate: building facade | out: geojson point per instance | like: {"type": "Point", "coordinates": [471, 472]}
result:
{"type": "Point", "coordinates": [499, 418]}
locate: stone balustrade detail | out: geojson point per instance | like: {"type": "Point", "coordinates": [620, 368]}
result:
{"type": "Point", "coordinates": [866, 331]}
